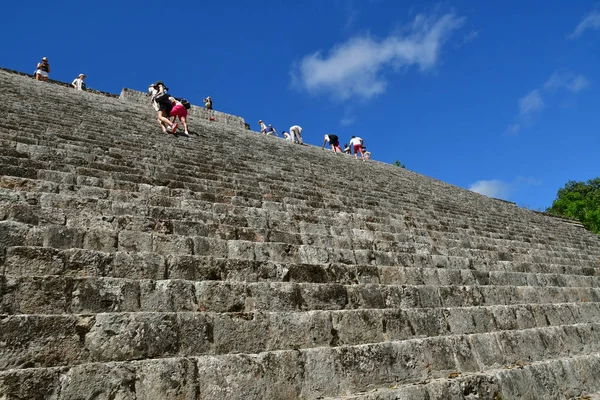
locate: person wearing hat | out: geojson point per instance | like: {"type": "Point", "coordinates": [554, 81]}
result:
{"type": "Point", "coordinates": [161, 97]}
{"type": "Point", "coordinates": [79, 83]}
{"type": "Point", "coordinates": [42, 71]}
{"type": "Point", "coordinates": [208, 103]}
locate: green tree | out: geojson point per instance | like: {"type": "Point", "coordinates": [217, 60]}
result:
{"type": "Point", "coordinates": [580, 201]}
{"type": "Point", "coordinates": [397, 163]}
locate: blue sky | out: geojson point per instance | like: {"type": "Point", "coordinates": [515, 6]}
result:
{"type": "Point", "coordinates": [498, 97]}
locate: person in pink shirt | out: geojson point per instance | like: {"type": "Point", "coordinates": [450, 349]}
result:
{"type": "Point", "coordinates": [179, 111]}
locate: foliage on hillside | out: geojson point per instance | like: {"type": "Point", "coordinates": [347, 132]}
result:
{"type": "Point", "coordinates": [581, 201]}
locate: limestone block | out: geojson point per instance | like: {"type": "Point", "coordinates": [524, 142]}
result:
{"type": "Point", "coordinates": [115, 337]}
{"type": "Point", "coordinates": [168, 296]}
{"type": "Point", "coordinates": [12, 234]}
{"type": "Point", "coordinates": [139, 266]}
{"type": "Point", "coordinates": [172, 244]}
{"type": "Point", "coordinates": [34, 295]}
{"type": "Point", "coordinates": [39, 341]}
{"type": "Point", "coordinates": [167, 379]}
{"type": "Point", "coordinates": [94, 295]}
{"type": "Point", "coordinates": [278, 297]}
{"type": "Point", "coordinates": [300, 330]}
{"type": "Point", "coordinates": [243, 332]}
{"type": "Point", "coordinates": [111, 381]}
{"type": "Point", "coordinates": [82, 262]}
{"type": "Point", "coordinates": [24, 261]}
{"type": "Point", "coordinates": [136, 242]}
{"type": "Point", "coordinates": [33, 384]}
{"type": "Point", "coordinates": [210, 247]}
{"type": "Point", "coordinates": [101, 240]}
{"type": "Point", "coordinates": [239, 249]}
{"type": "Point", "coordinates": [62, 237]}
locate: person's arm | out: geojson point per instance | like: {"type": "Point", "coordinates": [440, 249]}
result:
{"type": "Point", "coordinates": [73, 83]}
{"type": "Point", "coordinates": [39, 65]}
{"type": "Point", "coordinates": [324, 141]}
{"type": "Point", "coordinates": [48, 67]}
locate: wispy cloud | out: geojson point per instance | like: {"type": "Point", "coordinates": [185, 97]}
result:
{"type": "Point", "coordinates": [500, 189]}
{"type": "Point", "coordinates": [349, 118]}
{"type": "Point", "coordinates": [533, 103]}
{"type": "Point", "coordinates": [590, 21]}
{"type": "Point", "coordinates": [567, 80]}
{"type": "Point", "coordinates": [357, 67]}
{"type": "Point", "coordinates": [493, 188]}
{"type": "Point", "coordinates": [468, 38]}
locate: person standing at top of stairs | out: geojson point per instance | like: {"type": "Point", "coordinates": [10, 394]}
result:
{"type": "Point", "coordinates": [43, 70]}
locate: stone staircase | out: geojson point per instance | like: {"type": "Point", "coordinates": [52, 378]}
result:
{"type": "Point", "coordinates": [137, 265]}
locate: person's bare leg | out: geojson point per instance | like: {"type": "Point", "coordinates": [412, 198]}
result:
{"type": "Point", "coordinates": [38, 77]}
{"type": "Point", "coordinates": [185, 126]}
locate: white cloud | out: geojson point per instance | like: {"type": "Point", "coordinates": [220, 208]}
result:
{"type": "Point", "coordinates": [568, 80]}
{"type": "Point", "coordinates": [493, 188]}
{"type": "Point", "coordinates": [531, 103]}
{"type": "Point", "coordinates": [503, 190]}
{"type": "Point", "coordinates": [590, 21]}
{"type": "Point", "coordinates": [356, 67]}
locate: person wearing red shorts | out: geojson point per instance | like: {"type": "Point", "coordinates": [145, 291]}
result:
{"type": "Point", "coordinates": [179, 110]}
{"type": "Point", "coordinates": [356, 143]}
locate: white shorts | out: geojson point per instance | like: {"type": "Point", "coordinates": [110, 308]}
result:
{"type": "Point", "coordinates": [42, 73]}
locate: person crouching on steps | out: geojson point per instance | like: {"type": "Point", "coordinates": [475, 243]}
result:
{"type": "Point", "coordinates": [178, 110]}
{"type": "Point", "coordinates": [161, 97]}
{"type": "Point", "coordinates": [333, 141]}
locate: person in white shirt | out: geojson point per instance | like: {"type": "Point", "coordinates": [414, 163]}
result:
{"type": "Point", "coordinates": [263, 127]}
{"type": "Point", "coordinates": [286, 135]}
{"type": "Point", "coordinates": [356, 143]}
{"type": "Point", "coordinates": [296, 133]}
{"type": "Point", "coordinates": [79, 83]}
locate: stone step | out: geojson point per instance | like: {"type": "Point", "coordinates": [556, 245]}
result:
{"type": "Point", "coordinates": [64, 202]}
{"type": "Point", "coordinates": [23, 261]}
{"type": "Point", "coordinates": [165, 199]}
{"type": "Point", "coordinates": [573, 378]}
{"type": "Point", "coordinates": [56, 295]}
{"type": "Point", "coordinates": [33, 341]}
{"type": "Point", "coordinates": [546, 364]}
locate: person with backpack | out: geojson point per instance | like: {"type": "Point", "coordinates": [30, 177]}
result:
{"type": "Point", "coordinates": [43, 70]}
{"type": "Point", "coordinates": [333, 141]}
{"type": "Point", "coordinates": [357, 143]}
{"type": "Point", "coordinates": [161, 96]}
{"type": "Point", "coordinates": [79, 83]}
{"type": "Point", "coordinates": [179, 109]}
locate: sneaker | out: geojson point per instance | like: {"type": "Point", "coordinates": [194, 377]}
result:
{"type": "Point", "coordinates": [186, 134]}
{"type": "Point", "coordinates": [173, 128]}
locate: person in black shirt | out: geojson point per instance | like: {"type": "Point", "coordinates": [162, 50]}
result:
{"type": "Point", "coordinates": [333, 141]}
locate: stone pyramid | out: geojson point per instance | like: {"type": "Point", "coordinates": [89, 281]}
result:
{"type": "Point", "coordinates": [232, 265]}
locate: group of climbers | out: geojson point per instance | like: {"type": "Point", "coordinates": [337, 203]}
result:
{"type": "Point", "coordinates": [294, 135]}
{"type": "Point", "coordinates": [356, 145]}
{"type": "Point", "coordinates": [169, 108]}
